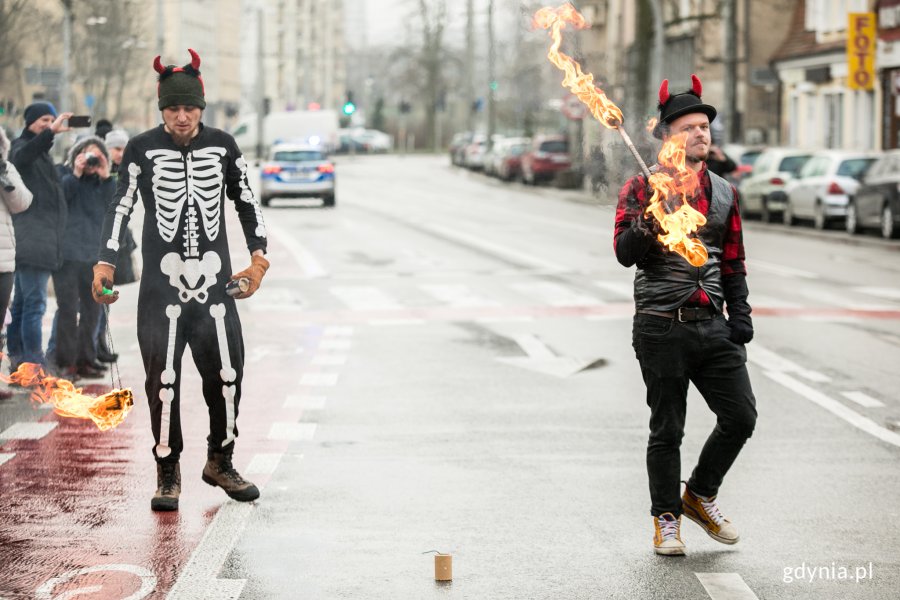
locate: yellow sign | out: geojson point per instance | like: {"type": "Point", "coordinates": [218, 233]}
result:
{"type": "Point", "coordinates": [861, 51]}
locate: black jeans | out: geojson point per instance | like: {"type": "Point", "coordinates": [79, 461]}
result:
{"type": "Point", "coordinates": [78, 314]}
{"type": "Point", "coordinates": [672, 355]}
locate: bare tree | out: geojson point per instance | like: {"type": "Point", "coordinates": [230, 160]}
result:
{"type": "Point", "coordinates": [20, 23]}
{"type": "Point", "coordinates": [433, 20]}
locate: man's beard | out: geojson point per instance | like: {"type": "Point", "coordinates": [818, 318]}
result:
{"type": "Point", "coordinates": [182, 140]}
{"type": "Point", "coordinates": [696, 158]}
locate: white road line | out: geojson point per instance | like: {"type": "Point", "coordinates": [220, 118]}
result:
{"type": "Point", "coordinates": [863, 399]}
{"type": "Point", "coordinates": [625, 289]}
{"type": "Point", "coordinates": [311, 267]}
{"type": "Point", "coordinates": [781, 269]}
{"type": "Point", "coordinates": [555, 294]}
{"type": "Point", "coordinates": [198, 577]}
{"type": "Point", "coordinates": [263, 464]}
{"type": "Point", "coordinates": [726, 586]}
{"type": "Point", "coordinates": [506, 252]}
{"type": "Point", "coordinates": [337, 331]}
{"type": "Point", "coordinates": [760, 300]}
{"type": "Point", "coordinates": [842, 301]}
{"type": "Point", "coordinates": [27, 431]}
{"type": "Point", "coordinates": [387, 322]}
{"type": "Point", "coordinates": [307, 402]}
{"type": "Point", "coordinates": [5, 456]}
{"type": "Point", "coordinates": [879, 292]}
{"type": "Point", "coordinates": [319, 379]}
{"type": "Point", "coordinates": [364, 297]}
{"type": "Point", "coordinates": [835, 407]}
{"type": "Point", "coordinates": [332, 344]}
{"type": "Point", "coordinates": [292, 432]}
{"type": "Point", "coordinates": [329, 360]}
{"type": "Point", "coordinates": [533, 346]}
{"type": "Point", "coordinates": [768, 360]}
{"type": "Point", "coordinates": [457, 295]}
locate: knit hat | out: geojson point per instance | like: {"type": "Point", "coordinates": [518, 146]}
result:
{"type": "Point", "coordinates": [102, 127]}
{"type": "Point", "coordinates": [180, 85]}
{"type": "Point", "coordinates": [117, 138]}
{"type": "Point", "coordinates": [36, 110]}
{"type": "Point", "coordinates": [672, 107]}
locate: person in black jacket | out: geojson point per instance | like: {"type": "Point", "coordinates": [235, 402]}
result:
{"type": "Point", "coordinates": [39, 231]}
{"type": "Point", "coordinates": [680, 333]}
{"type": "Point", "coordinates": [88, 190]}
{"type": "Point", "coordinates": [183, 172]}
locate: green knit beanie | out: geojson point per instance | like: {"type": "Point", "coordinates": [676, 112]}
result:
{"type": "Point", "coordinates": [180, 85]}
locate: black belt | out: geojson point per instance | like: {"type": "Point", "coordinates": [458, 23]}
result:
{"type": "Point", "coordinates": [683, 314]}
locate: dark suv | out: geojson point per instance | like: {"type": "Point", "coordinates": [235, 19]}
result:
{"type": "Point", "coordinates": [548, 155]}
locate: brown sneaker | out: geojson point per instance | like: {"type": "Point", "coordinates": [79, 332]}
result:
{"type": "Point", "coordinates": [168, 481]}
{"type": "Point", "coordinates": [667, 536]}
{"type": "Point", "coordinates": [705, 513]}
{"type": "Point", "coordinates": [220, 472]}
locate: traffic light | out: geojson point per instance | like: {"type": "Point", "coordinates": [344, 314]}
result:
{"type": "Point", "coordinates": [349, 107]}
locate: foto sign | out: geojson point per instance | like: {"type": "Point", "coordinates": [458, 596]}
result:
{"type": "Point", "coordinates": [861, 51]}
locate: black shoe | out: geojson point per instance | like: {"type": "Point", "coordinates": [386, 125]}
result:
{"type": "Point", "coordinates": [89, 372]}
{"type": "Point", "coordinates": [107, 357]}
{"type": "Point", "coordinates": [99, 366]}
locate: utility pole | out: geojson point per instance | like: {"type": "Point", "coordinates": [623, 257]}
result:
{"type": "Point", "coordinates": [65, 87]}
{"type": "Point", "coordinates": [729, 18]}
{"type": "Point", "coordinates": [160, 29]}
{"type": "Point", "coordinates": [659, 42]}
{"type": "Point", "coordinates": [492, 84]}
{"type": "Point", "coordinates": [469, 66]}
{"type": "Point", "coordinates": [260, 83]}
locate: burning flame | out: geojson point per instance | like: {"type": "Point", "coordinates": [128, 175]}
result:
{"type": "Point", "coordinates": [651, 124]}
{"type": "Point", "coordinates": [674, 181]}
{"type": "Point", "coordinates": [579, 83]}
{"type": "Point", "coordinates": [106, 411]}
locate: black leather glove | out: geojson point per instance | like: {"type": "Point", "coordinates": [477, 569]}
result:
{"type": "Point", "coordinates": [739, 321]}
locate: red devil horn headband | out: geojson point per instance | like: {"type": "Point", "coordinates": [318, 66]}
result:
{"type": "Point", "coordinates": [695, 85]}
{"type": "Point", "coordinates": [157, 66]}
{"type": "Point", "coordinates": [664, 92]}
{"type": "Point", "coordinates": [195, 60]}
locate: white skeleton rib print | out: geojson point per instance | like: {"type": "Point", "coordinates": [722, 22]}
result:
{"type": "Point", "coordinates": [195, 180]}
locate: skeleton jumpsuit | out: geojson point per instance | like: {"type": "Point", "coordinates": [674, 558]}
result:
{"type": "Point", "coordinates": [182, 300]}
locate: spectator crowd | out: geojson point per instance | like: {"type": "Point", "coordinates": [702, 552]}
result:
{"type": "Point", "coordinates": [51, 220]}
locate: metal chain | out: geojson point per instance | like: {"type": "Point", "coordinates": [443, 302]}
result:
{"type": "Point", "coordinates": [114, 375]}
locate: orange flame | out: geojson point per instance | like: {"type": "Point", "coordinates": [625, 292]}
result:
{"type": "Point", "coordinates": [675, 181]}
{"type": "Point", "coordinates": [106, 411]}
{"type": "Point", "coordinates": [579, 83]}
{"type": "Point", "coordinates": [651, 124]}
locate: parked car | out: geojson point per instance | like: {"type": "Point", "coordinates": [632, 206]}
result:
{"type": "Point", "coordinates": [508, 164]}
{"type": "Point", "coordinates": [473, 153]}
{"type": "Point", "coordinates": [458, 145]}
{"type": "Point", "coordinates": [762, 191]}
{"type": "Point", "coordinates": [824, 185]}
{"type": "Point", "coordinates": [744, 156]}
{"type": "Point", "coordinates": [877, 201]}
{"type": "Point", "coordinates": [297, 171]}
{"type": "Point", "coordinates": [548, 155]}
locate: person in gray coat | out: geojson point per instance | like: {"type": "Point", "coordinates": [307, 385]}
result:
{"type": "Point", "coordinates": [15, 198]}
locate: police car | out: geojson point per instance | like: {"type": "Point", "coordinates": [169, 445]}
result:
{"type": "Point", "coordinates": [297, 171]}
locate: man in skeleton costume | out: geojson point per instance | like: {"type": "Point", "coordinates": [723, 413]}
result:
{"type": "Point", "coordinates": [183, 171]}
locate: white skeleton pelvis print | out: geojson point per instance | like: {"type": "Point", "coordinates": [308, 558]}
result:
{"type": "Point", "coordinates": [191, 276]}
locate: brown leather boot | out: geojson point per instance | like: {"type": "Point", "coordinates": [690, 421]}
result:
{"type": "Point", "coordinates": [168, 481]}
{"type": "Point", "coordinates": [220, 472]}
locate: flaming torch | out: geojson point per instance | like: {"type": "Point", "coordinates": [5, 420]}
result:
{"type": "Point", "coordinates": [672, 180]}
{"type": "Point", "coordinates": [106, 411]}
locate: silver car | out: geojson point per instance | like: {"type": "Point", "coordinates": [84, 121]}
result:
{"type": "Point", "coordinates": [824, 186]}
{"type": "Point", "coordinates": [297, 171]}
{"type": "Point", "coordinates": [762, 191]}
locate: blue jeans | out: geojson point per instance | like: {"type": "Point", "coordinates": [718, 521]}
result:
{"type": "Point", "coordinates": [28, 308]}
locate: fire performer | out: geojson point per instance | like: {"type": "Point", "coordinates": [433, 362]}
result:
{"type": "Point", "coordinates": [183, 171]}
{"type": "Point", "coordinates": [680, 334]}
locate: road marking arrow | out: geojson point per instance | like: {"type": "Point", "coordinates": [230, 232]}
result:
{"type": "Point", "coordinates": [543, 360]}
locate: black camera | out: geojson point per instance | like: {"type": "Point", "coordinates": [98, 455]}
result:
{"type": "Point", "coordinates": [5, 182]}
{"type": "Point", "coordinates": [91, 159]}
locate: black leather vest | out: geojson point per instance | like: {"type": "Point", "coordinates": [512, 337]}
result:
{"type": "Point", "coordinates": [664, 280]}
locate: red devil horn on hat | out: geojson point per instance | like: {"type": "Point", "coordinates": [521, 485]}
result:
{"type": "Point", "coordinates": [195, 59]}
{"type": "Point", "coordinates": [695, 85]}
{"type": "Point", "coordinates": [157, 66]}
{"type": "Point", "coordinates": [664, 92]}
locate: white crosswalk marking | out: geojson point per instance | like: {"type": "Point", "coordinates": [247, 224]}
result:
{"type": "Point", "coordinates": [263, 464]}
{"type": "Point", "coordinates": [362, 297]}
{"type": "Point", "coordinates": [457, 295]}
{"type": "Point", "coordinates": [27, 431]}
{"type": "Point", "coordinates": [292, 432]}
{"type": "Point", "coordinates": [555, 294]}
{"type": "Point", "coordinates": [726, 586]}
{"type": "Point", "coordinates": [862, 399]}
{"type": "Point", "coordinates": [305, 402]}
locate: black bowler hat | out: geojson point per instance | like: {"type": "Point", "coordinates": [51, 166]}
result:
{"type": "Point", "coordinates": [672, 107]}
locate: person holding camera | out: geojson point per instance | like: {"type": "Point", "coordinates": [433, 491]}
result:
{"type": "Point", "coordinates": [88, 190]}
{"type": "Point", "coordinates": [39, 230]}
{"type": "Point", "coordinates": [16, 198]}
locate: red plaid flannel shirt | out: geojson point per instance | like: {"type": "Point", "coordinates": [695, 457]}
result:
{"type": "Point", "coordinates": [732, 245]}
